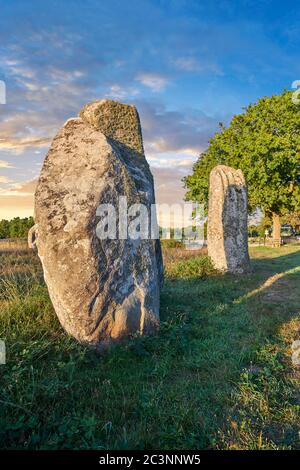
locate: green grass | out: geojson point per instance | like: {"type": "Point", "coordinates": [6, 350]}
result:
{"type": "Point", "coordinates": [192, 268]}
{"type": "Point", "coordinates": [217, 375]}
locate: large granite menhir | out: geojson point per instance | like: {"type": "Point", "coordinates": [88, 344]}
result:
{"type": "Point", "coordinates": [227, 231]}
{"type": "Point", "coordinates": [102, 290]}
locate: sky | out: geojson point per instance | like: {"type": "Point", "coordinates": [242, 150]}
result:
{"type": "Point", "coordinates": [186, 65]}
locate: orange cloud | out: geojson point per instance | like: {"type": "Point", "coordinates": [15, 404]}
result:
{"type": "Point", "coordinates": [17, 201]}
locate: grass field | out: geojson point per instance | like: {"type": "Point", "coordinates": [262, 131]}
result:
{"type": "Point", "coordinates": [217, 376]}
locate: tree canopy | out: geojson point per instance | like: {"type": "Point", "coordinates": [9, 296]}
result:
{"type": "Point", "coordinates": [292, 219]}
{"type": "Point", "coordinates": [15, 228]}
{"type": "Point", "coordinates": [264, 142]}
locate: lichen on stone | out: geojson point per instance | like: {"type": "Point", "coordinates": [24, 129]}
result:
{"type": "Point", "coordinates": [117, 121]}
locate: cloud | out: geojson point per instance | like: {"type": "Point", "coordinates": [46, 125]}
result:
{"type": "Point", "coordinates": [5, 164]}
{"type": "Point", "coordinates": [21, 144]}
{"type": "Point", "coordinates": [187, 63]}
{"type": "Point", "coordinates": [18, 200]}
{"type": "Point", "coordinates": [20, 189]}
{"type": "Point", "coordinates": [153, 81]}
{"type": "Point", "coordinates": [118, 92]}
{"type": "Point", "coordinates": [59, 75]}
{"type": "Point", "coordinates": [191, 64]}
{"type": "Point", "coordinates": [186, 131]}
{"type": "Point", "coordinates": [4, 179]}
{"type": "Point", "coordinates": [159, 161]}
{"type": "Point", "coordinates": [168, 184]}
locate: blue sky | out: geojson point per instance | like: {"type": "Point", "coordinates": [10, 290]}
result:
{"type": "Point", "coordinates": [186, 65]}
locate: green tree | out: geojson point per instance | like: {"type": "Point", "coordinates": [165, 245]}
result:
{"type": "Point", "coordinates": [15, 228]}
{"type": "Point", "coordinates": [264, 142]}
{"type": "Point", "coordinates": [293, 219]}
{"type": "Point", "coordinates": [4, 228]}
{"type": "Point", "coordinates": [264, 224]}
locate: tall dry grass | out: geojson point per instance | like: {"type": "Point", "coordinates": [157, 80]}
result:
{"type": "Point", "coordinates": [13, 244]}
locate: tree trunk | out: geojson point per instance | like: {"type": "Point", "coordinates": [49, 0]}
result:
{"type": "Point", "coordinates": [276, 226]}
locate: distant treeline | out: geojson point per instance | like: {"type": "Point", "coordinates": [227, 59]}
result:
{"type": "Point", "coordinates": [15, 228]}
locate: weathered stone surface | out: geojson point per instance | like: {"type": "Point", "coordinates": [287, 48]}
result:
{"type": "Point", "coordinates": [102, 290]}
{"type": "Point", "coordinates": [296, 353]}
{"type": "Point", "coordinates": [296, 344]}
{"type": "Point", "coordinates": [227, 231]}
{"type": "Point", "coordinates": [32, 236]}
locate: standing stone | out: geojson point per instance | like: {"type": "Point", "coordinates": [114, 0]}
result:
{"type": "Point", "coordinates": [227, 231]}
{"type": "Point", "coordinates": [102, 289]}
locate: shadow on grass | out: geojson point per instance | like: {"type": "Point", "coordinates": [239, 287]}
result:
{"type": "Point", "coordinates": [233, 321]}
{"type": "Point", "coordinates": [182, 388]}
